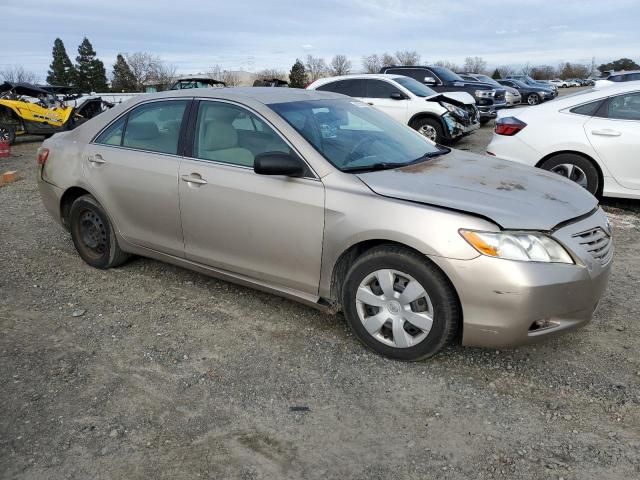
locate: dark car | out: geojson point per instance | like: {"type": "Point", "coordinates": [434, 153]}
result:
{"type": "Point", "coordinates": [624, 76]}
{"type": "Point", "coordinates": [442, 79]}
{"type": "Point", "coordinates": [533, 95]}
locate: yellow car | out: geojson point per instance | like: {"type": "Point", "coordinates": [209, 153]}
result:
{"type": "Point", "coordinates": [33, 110]}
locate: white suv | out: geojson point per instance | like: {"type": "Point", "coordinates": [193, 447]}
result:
{"type": "Point", "coordinates": [441, 117]}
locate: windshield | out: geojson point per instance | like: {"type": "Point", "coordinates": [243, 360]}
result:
{"type": "Point", "coordinates": [354, 136]}
{"type": "Point", "coordinates": [485, 79]}
{"type": "Point", "coordinates": [415, 87]}
{"type": "Point", "coordinates": [446, 75]}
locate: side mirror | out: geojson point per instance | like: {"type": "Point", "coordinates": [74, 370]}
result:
{"type": "Point", "coordinates": [429, 80]}
{"type": "Point", "coordinates": [278, 163]}
{"type": "Point", "coordinates": [397, 96]}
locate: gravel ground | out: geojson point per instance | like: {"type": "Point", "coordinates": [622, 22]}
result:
{"type": "Point", "coordinates": [152, 371]}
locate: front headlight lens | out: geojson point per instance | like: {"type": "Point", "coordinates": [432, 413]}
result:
{"type": "Point", "coordinates": [485, 93]}
{"type": "Point", "coordinates": [523, 246]}
{"type": "Point", "coordinates": [453, 109]}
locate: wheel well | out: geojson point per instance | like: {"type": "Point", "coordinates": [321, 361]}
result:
{"type": "Point", "coordinates": [9, 117]}
{"type": "Point", "coordinates": [420, 116]}
{"type": "Point", "coordinates": [586, 157]}
{"type": "Point", "coordinates": [67, 200]}
{"type": "Point", "coordinates": [349, 257]}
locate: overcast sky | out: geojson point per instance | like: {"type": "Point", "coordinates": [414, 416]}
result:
{"type": "Point", "coordinates": [255, 34]}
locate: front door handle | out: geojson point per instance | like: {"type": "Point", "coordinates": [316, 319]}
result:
{"type": "Point", "coordinates": [607, 132]}
{"type": "Point", "coordinates": [194, 178]}
{"type": "Point", "coordinates": [96, 159]}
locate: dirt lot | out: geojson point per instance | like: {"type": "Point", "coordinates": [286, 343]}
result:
{"type": "Point", "coordinates": [151, 371]}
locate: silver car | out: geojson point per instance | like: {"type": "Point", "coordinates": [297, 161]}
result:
{"type": "Point", "coordinates": [323, 199]}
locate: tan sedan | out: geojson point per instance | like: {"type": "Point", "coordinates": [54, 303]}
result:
{"type": "Point", "coordinates": [321, 198]}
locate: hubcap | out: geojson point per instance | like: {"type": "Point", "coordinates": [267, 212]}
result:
{"type": "Point", "coordinates": [93, 233]}
{"type": "Point", "coordinates": [533, 100]}
{"type": "Point", "coordinates": [4, 134]}
{"type": "Point", "coordinates": [428, 131]}
{"type": "Point", "coordinates": [572, 172]}
{"type": "Point", "coordinates": [394, 308]}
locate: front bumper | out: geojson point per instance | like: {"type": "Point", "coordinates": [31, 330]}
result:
{"type": "Point", "coordinates": [457, 127]}
{"type": "Point", "coordinates": [487, 112]}
{"type": "Point", "coordinates": [503, 300]}
{"type": "Point", "coordinates": [512, 99]}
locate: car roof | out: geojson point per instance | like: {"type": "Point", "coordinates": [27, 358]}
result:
{"type": "Point", "coordinates": [625, 72]}
{"type": "Point", "coordinates": [618, 87]}
{"type": "Point", "coordinates": [264, 95]}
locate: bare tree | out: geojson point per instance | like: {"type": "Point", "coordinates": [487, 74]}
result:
{"type": "Point", "coordinates": [316, 67]}
{"type": "Point", "coordinates": [447, 64]}
{"type": "Point", "coordinates": [163, 75]}
{"type": "Point", "coordinates": [388, 60]}
{"type": "Point", "coordinates": [340, 65]}
{"type": "Point", "coordinates": [475, 65]}
{"type": "Point", "coordinates": [230, 79]}
{"type": "Point", "coordinates": [407, 57]}
{"type": "Point", "coordinates": [543, 72]}
{"type": "Point", "coordinates": [371, 63]}
{"type": "Point", "coordinates": [17, 74]}
{"type": "Point", "coordinates": [271, 73]}
{"type": "Point", "coordinates": [526, 69]}
{"type": "Point", "coordinates": [505, 71]}
{"type": "Point", "coordinates": [143, 66]}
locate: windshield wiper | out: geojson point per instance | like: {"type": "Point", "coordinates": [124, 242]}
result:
{"type": "Point", "coordinates": [442, 151]}
{"type": "Point", "coordinates": [373, 167]}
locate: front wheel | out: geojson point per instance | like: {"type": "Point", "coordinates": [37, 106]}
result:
{"type": "Point", "coordinates": [400, 305]}
{"type": "Point", "coordinates": [575, 168]}
{"type": "Point", "coordinates": [533, 99]}
{"type": "Point", "coordinates": [93, 235]}
{"type": "Point", "coordinates": [430, 128]}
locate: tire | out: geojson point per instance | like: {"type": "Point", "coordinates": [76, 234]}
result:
{"type": "Point", "coordinates": [577, 168]}
{"type": "Point", "coordinates": [430, 128]}
{"type": "Point", "coordinates": [8, 133]}
{"type": "Point", "coordinates": [93, 235]}
{"type": "Point", "coordinates": [533, 99]}
{"type": "Point", "coordinates": [392, 335]}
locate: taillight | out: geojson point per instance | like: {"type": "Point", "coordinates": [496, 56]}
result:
{"type": "Point", "coordinates": [43, 155]}
{"type": "Point", "coordinates": [509, 126]}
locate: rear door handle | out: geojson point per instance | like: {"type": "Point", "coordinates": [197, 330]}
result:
{"type": "Point", "coordinates": [96, 159]}
{"type": "Point", "coordinates": [606, 132]}
{"type": "Point", "coordinates": [194, 178]}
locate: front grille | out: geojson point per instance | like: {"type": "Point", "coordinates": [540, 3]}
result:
{"type": "Point", "coordinates": [597, 242]}
{"type": "Point", "coordinates": [499, 96]}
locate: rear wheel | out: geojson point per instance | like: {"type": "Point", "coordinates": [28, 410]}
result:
{"type": "Point", "coordinates": [533, 99]}
{"type": "Point", "coordinates": [575, 168]}
{"type": "Point", "coordinates": [430, 128]}
{"type": "Point", "coordinates": [7, 134]}
{"type": "Point", "coordinates": [93, 234]}
{"type": "Point", "coordinates": [399, 305]}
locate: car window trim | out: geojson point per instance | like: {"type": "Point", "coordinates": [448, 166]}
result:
{"type": "Point", "coordinates": [190, 136]}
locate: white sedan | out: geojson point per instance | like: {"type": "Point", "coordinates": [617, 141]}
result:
{"type": "Point", "coordinates": [591, 137]}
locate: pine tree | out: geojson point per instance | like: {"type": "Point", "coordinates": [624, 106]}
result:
{"type": "Point", "coordinates": [123, 78]}
{"type": "Point", "coordinates": [91, 75]}
{"type": "Point", "coordinates": [298, 75]}
{"type": "Point", "coordinates": [496, 75]}
{"type": "Point", "coordinates": [62, 71]}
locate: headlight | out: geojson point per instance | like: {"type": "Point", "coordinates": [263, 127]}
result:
{"type": "Point", "coordinates": [485, 93]}
{"type": "Point", "coordinates": [523, 246]}
{"type": "Point", "coordinates": [542, 94]}
{"type": "Point", "coordinates": [453, 109]}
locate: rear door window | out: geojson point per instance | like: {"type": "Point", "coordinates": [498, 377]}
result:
{"type": "Point", "coordinates": [624, 107]}
{"type": "Point", "coordinates": [587, 109]}
{"type": "Point", "coordinates": [352, 88]}
{"type": "Point", "coordinates": [155, 126]}
{"type": "Point", "coordinates": [379, 89]}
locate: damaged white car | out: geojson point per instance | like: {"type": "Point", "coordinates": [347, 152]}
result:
{"type": "Point", "coordinates": [441, 117]}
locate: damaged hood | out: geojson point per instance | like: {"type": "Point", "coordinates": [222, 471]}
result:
{"type": "Point", "coordinates": [459, 97]}
{"type": "Point", "coordinates": [512, 195]}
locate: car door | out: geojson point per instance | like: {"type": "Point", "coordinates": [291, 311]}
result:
{"type": "Point", "coordinates": [379, 94]}
{"type": "Point", "coordinates": [615, 135]}
{"type": "Point", "coordinates": [268, 228]}
{"type": "Point", "coordinates": [132, 168]}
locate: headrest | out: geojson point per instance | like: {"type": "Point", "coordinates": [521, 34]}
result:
{"type": "Point", "coordinates": [142, 130]}
{"type": "Point", "coordinates": [220, 136]}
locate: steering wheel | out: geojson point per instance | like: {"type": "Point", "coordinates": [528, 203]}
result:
{"type": "Point", "coordinates": [351, 156]}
